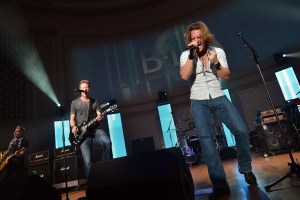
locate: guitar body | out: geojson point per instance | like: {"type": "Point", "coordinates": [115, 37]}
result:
{"type": "Point", "coordinates": [187, 151]}
{"type": "Point", "coordinates": [5, 161]}
{"type": "Point", "coordinates": [189, 155]}
{"type": "Point", "coordinates": [83, 130]}
{"type": "Point", "coordinates": [81, 135]}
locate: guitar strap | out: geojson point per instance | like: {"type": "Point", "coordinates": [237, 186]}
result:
{"type": "Point", "coordinates": [90, 117]}
{"type": "Point", "coordinates": [90, 109]}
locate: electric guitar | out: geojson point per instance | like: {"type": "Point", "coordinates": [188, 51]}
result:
{"type": "Point", "coordinates": [5, 159]}
{"type": "Point", "coordinates": [188, 153]}
{"type": "Point", "coordinates": [80, 136]}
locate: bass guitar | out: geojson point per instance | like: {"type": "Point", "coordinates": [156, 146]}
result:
{"type": "Point", "coordinates": [188, 153]}
{"type": "Point", "coordinates": [80, 136]}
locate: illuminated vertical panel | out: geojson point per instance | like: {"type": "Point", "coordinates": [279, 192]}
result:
{"type": "Point", "coordinates": [58, 133]}
{"type": "Point", "coordinates": [167, 125]}
{"type": "Point", "coordinates": [288, 83]}
{"type": "Point", "coordinates": [229, 136]}
{"type": "Point", "coordinates": [116, 135]}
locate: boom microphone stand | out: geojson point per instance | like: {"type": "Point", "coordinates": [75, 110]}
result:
{"type": "Point", "coordinates": [294, 167]}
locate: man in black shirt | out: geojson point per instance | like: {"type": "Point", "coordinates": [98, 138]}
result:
{"type": "Point", "coordinates": [13, 162]}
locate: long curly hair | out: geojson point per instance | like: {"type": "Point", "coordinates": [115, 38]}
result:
{"type": "Point", "coordinates": [206, 35]}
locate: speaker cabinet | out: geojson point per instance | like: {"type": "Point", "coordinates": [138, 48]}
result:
{"type": "Point", "coordinates": [70, 170]}
{"type": "Point", "coordinates": [161, 174]}
{"type": "Point", "coordinates": [272, 138]}
{"type": "Point", "coordinates": [43, 170]}
{"type": "Point", "coordinates": [33, 188]}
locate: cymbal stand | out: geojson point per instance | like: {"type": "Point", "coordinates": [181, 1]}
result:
{"type": "Point", "coordinates": [294, 167]}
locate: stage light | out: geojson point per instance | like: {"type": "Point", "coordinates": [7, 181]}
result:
{"type": "Point", "coordinates": [280, 59]}
{"type": "Point", "coordinates": [292, 55]}
{"type": "Point", "coordinates": [162, 97]}
{"type": "Point", "coordinates": [24, 55]}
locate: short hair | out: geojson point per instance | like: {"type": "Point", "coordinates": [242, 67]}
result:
{"type": "Point", "coordinates": [85, 81]}
{"type": "Point", "coordinates": [206, 35]}
{"type": "Point", "coordinates": [20, 127]}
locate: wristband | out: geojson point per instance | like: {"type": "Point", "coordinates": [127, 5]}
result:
{"type": "Point", "coordinates": [191, 56]}
{"type": "Point", "coordinates": [217, 66]}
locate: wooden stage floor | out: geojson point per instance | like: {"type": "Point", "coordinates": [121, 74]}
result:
{"type": "Point", "coordinates": [267, 170]}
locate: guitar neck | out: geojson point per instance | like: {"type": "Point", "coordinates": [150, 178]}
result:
{"type": "Point", "coordinates": [95, 119]}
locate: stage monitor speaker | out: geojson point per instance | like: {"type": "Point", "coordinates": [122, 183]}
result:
{"type": "Point", "coordinates": [143, 145]}
{"type": "Point", "coordinates": [161, 174]}
{"type": "Point", "coordinates": [272, 138]}
{"type": "Point", "coordinates": [33, 187]}
{"type": "Point", "coordinates": [43, 170]}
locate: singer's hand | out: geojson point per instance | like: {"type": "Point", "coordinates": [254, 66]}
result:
{"type": "Point", "coordinates": [99, 116]}
{"type": "Point", "coordinates": [212, 56]}
{"type": "Point", "coordinates": [193, 45]}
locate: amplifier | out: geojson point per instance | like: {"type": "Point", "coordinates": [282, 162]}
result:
{"type": "Point", "coordinates": [68, 151]}
{"type": "Point", "coordinates": [270, 112]}
{"type": "Point", "coordinates": [70, 169]}
{"type": "Point", "coordinates": [39, 157]}
{"type": "Point", "coordinates": [273, 118]}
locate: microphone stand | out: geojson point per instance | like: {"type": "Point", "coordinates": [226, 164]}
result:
{"type": "Point", "coordinates": [64, 144]}
{"type": "Point", "coordinates": [294, 167]}
{"type": "Point", "coordinates": [65, 158]}
{"type": "Point", "coordinates": [170, 131]}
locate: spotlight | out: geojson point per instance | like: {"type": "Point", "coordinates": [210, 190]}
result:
{"type": "Point", "coordinates": [280, 59]}
{"type": "Point", "coordinates": [58, 105]}
{"type": "Point", "coordinates": [162, 96]}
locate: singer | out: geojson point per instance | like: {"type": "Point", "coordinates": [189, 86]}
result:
{"type": "Point", "coordinates": [83, 110]}
{"type": "Point", "coordinates": [207, 64]}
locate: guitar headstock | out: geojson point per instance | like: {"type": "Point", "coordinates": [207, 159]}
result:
{"type": "Point", "coordinates": [112, 108]}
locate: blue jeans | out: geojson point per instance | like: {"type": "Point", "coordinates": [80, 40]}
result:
{"type": "Point", "coordinates": [222, 108]}
{"type": "Point", "coordinates": [100, 137]}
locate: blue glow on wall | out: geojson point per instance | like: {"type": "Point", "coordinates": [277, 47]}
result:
{"type": "Point", "coordinates": [288, 83]}
{"type": "Point", "coordinates": [167, 125]}
{"type": "Point", "coordinates": [116, 135]}
{"type": "Point", "coordinates": [229, 136]}
{"type": "Point", "coordinates": [58, 133]}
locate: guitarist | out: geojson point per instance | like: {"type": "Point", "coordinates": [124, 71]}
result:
{"type": "Point", "coordinates": [15, 166]}
{"type": "Point", "coordinates": [85, 109]}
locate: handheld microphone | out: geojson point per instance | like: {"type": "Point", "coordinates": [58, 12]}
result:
{"type": "Point", "coordinates": [192, 47]}
{"type": "Point", "coordinates": [78, 90]}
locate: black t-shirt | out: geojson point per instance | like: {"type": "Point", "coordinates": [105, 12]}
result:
{"type": "Point", "coordinates": [15, 145]}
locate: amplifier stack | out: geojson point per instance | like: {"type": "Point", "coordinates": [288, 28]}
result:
{"type": "Point", "coordinates": [40, 164]}
{"type": "Point", "coordinates": [70, 168]}
{"type": "Point", "coordinates": [54, 170]}
{"type": "Point", "coordinates": [272, 139]}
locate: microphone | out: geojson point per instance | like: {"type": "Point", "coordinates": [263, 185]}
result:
{"type": "Point", "coordinates": [192, 47]}
{"type": "Point", "coordinates": [78, 90]}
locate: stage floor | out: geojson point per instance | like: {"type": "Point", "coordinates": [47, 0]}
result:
{"type": "Point", "coordinates": [267, 170]}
